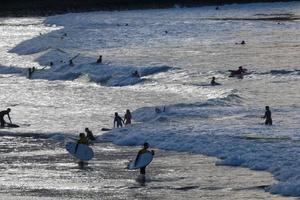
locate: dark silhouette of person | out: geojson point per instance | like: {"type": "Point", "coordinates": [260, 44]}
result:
{"type": "Point", "coordinates": [243, 42]}
{"type": "Point", "coordinates": [71, 63]}
{"type": "Point", "coordinates": [127, 117]}
{"type": "Point", "coordinates": [213, 81]}
{"type": "Point", "coordinates": [82, 140]}
{"type": "Point", "coordinates": [136, 74]}
{"type": "Point", "coordinates": [99, 59]}
{"type": "Point", "coordinates": [89, 134]}
{"type": "Point", "coordinates": [268, 116]}
{"type": "Point", "coordinates": [118, 120]}
{"type": "Point", "coordinates": [30, 72]}
{"type": "Point", "coordinates": [2, 114]}
{"type": "Point", "coordinates": [240, 71]}
{"type": "Point", "coordinates": [143, 150]}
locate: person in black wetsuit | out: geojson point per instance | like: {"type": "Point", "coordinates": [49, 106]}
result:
{"type": "Point", "coordinates": [267, 116]}
{"type": "Point", "coordinates": [89, 134]}
{"type": "Point", "coordinates": [118, 120]}
{"type": "Point", "coordinates": [213, 81]}
{"type": "Point", "coordinates": [2, 114]}
{"type": "Point", "coordinates": [127, 117]}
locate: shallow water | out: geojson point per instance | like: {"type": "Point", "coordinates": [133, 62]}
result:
{"type": "Point", "coordinates": [42, 169]}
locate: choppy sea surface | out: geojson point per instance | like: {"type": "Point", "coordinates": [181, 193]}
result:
{"type": "Point", "coordinates": [176, 52]}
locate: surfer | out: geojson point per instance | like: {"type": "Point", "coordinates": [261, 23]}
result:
{"type": "Point", "coordinates": [99, 59]}
{"type": "Point", "coordinates": [127, 117]}
{"type": "Point", "coordinates": [30, 72]}
{"type": "Point", "coordinates": [242, 42]}
{"type": "Point", "coordinates": [143, 150]}
{"type": "Point", "coordinates": [2, 114]}
{"type": "Point", "coordinates": [267, 116]}
{"type": "Point", "coordinates": [89, 134]}
{"type": "Point", "coordinates": [118, 120]}
{"type": "Point", "coordinates": [136, 74]}
{"type": "Point", "coordinates": [240, 71]}
{"type": "Point", "coordinates": [82, 140]}
{"type": "Point", "coordinates": [213, 81]}
{"type": "Point", "coordinates": [71, 63]}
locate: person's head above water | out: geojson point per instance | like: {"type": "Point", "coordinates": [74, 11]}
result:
{"type": "Point", "coordinates": [213, 78]}
{"type": "Point", "coordinates": [116, 114]}
{"type": "Point", "coordinates": [267, 107]}
{"type": "Point", "coordinates": [8, 109]}
{"type": "Point", "coordinates": [240, 67]}
{"type": "Point", "coordinates": [87, 129]}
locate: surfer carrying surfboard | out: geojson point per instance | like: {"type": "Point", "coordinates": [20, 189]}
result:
{"type": "Point", "coordinates": [82, 140]}
{"type": "Point", "coordinates": [2, 114]}
{"type": "Point", "coordinates": [142, 151]}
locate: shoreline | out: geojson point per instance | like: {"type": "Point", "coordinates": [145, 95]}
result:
{"type": "Point", "coordinates": [54, 174]}
{"type": "Point", "coordinates": [30, 8]}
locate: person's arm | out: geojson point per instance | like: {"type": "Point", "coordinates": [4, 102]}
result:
{"type": "Point", "coordinates": [115, 123]}
{"type": "Point", "coordinates": [264, 115]}
{"type": "Point", "coordinates": [9, 118]}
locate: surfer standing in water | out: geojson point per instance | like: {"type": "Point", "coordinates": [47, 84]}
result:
{"type": "Point", "coordinates": [127, 117]}
{"type": "Point", "coordinates": [143, 150]}
{"type": "Point", "coordinates": [89, 134]}
{"type": "Point", "coordinates": [2, 114]}
{"type": "Point", "coordinates": [118, 120]}
{"type": "Point", "coordinates": [82, 140]}
{"type": "Point", "coordinates": [267, 116]}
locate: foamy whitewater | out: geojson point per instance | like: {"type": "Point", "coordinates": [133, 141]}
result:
{"type": "Point", "coordinates": [176, 52]}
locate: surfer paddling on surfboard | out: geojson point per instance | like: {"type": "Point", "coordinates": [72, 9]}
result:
{"type": "Point", "coordinates": [142, 151]}
{"type": "Point", "coordinates": [2, 114]}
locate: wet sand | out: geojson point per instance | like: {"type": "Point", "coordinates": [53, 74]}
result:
{"type": "Point", "coordinates": [34, 168]}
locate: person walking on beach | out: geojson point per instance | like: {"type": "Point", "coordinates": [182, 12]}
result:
{"type": "Point", "coordinates": [89, 134]}
{"type": "Point", "coordinates": [267, 116]}
{"type": "Point", "coordinates": [118, 120]}
{"type": "Point", "coordinates": [143, 150]}
{"type": "Point", "coordinates": [2, 114]}
{"type": "Point", "coordinates": [127, 117]}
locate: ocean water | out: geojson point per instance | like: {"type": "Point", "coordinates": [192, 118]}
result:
{"type": "Point", "coordinates": [176, 52]}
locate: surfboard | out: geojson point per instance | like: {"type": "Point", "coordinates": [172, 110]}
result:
{"type": "Point", "coordinates": [105, 129]}
{"type": "Point", "coordinates": [10, 125]}
{"type": "Point", "coordinates": [84, 152]}
{"type": "Point", "coordinates": [265, 137]}
{"type": "Point", "coordinates": [144, 160]}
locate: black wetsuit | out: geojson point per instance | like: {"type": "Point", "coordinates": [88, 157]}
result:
{"type": "Point", "coordinates": [119, 121]}
{"type": "Point", "coordinates": [90, 135]}
{"type": "Point", "coordinates": [268, 117]}
{"type": "Point", "coordinates": [2, 114]}
{"type": "Point", "coordinates": [127, 118]}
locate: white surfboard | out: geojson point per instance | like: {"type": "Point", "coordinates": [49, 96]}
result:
{"type": "Point", "coordinates": [144, 160]}
{"type": "Point", "coordinates": [84, 152]}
